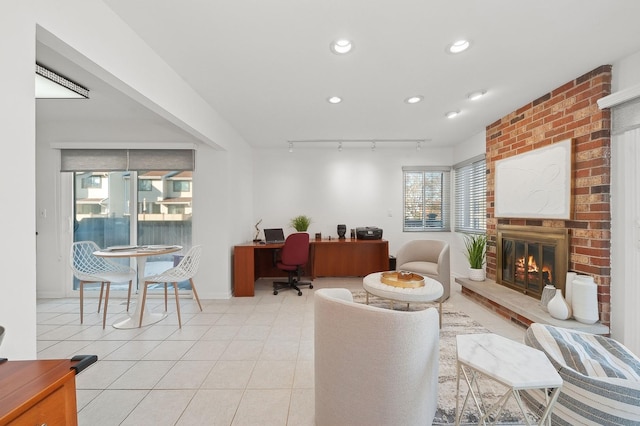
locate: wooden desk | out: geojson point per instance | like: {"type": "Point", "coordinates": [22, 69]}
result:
{"type": "Point", "coordinates": [38, 392]}
{"type": "Point", "coordinates": [327, 258]}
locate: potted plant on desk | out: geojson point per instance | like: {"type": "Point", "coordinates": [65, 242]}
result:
{"type": "Point", "coordinates": [301, 223]}
{"type": "Point", "coordinates": [476, 246]}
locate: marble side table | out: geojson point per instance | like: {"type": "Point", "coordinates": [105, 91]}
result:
{"type": "Point", "coordinates": [514, 365]}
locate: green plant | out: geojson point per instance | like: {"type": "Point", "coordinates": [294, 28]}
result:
{"type": "Point", "coordinates": [300, 223]}
{"type": "Point", "coordinates": [476, 246]}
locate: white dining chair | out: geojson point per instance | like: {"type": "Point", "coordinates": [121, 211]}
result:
{"type": "Point", "coordinates": [89, 268]}
{"type": "Point", "coordinates": [185, 270]}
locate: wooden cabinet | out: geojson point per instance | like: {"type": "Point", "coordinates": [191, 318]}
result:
{"type": "Point", "coordinates": [349, 258]}
{"type": "Point", "coordinates": [39, 392]}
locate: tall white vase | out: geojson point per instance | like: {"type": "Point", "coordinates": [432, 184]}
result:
{"type": "Point", "coordinates": [585, 299]}
{"type": "Point", "coordinates": [568, 287]}
{"type": "Point", "coordinates": [558, 307]}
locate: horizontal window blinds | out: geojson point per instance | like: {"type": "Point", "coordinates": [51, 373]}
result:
{"type": "Point", "coordinates": [426, 198]}
{"type": "Point", "coordinates": [105, 160]}
{"type": "Point", "coordinates": [471, 195]}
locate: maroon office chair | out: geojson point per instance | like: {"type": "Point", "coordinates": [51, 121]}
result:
{"type": "Point", "coordinates": [294, 255]}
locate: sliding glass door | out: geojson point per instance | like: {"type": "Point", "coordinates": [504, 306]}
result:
{"type": "Point", "coordinates": [135, 208]}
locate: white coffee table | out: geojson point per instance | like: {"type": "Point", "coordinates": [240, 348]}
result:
{"type": "Point", "coordinates": [430, 292]}
{"type": "Point", "coordinates": [514, 365]}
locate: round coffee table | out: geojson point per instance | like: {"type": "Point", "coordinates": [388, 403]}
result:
{"type": "Point", "coordinates": [431, 291]}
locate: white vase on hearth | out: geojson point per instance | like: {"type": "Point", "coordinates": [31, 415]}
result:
{"type": "Point", "coordinates": [568, 287]}
{"type": "Point", "coordinates": [585, 299]}
{"type": "Point", "coordinates": [548, 292]}
{"type": "Point", "coordinates": [558, 307]}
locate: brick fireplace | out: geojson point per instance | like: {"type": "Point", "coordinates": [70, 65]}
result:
{"type": "Point", "coordinates": [568, 112]}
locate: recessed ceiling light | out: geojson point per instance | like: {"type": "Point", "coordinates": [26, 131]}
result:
{"type": "Point", "coordinates": [342, 46]}
{"type": "Point", "coordinates": [413, 99]}
{"type": "Point", "coordinates": [476, 95]}
{"type": "Point", "coordinates": [458, 46]}
{"type": "Point", "coordinates": [334, 100]}
{"type": "Point", "coordinates": [452, 114]}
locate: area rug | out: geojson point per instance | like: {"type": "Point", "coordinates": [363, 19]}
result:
{"type": "Point", "coordinates": [453, 323]}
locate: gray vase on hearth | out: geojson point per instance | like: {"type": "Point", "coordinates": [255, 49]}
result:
{"type": "Point", "coordinates": [547, 294]}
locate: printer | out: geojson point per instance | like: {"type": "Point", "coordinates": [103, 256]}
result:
{"type": "Point", "coordinates": [369, 233]}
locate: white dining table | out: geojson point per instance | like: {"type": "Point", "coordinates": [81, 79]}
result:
{"type": "Point", "coordinates": [140, 253]}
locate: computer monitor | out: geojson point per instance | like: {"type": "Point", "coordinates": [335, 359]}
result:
{"type": "Point", "coordinates": [274, 235]}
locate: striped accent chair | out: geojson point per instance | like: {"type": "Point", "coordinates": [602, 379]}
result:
{"type": "Point", "coordinates": [601, 377]}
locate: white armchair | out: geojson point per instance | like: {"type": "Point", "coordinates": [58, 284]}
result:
{"type": "Point", "coordinates": [373, 366]}
{"type": "Point", "coordinates": [427, 257]}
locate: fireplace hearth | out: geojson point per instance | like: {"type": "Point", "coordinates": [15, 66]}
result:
{"type": "Point", "coordinates": [530, 257]}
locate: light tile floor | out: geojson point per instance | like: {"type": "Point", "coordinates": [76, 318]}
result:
{"type": "Point", "coordinates": [243, 361]}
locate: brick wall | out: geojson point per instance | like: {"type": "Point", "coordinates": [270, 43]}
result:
{"type": "Point", "coordinates": [570, 111]}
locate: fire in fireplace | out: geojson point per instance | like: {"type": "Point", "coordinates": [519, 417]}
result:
{"type": "Point", "coordinates": [531, 257]}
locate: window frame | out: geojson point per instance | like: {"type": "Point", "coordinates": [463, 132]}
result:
{"type": "Point", "coordinates": [426, 224]}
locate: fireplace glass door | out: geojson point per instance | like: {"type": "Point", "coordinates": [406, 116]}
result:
{"type": "Point", "coordinates": [529, 260]}
{"type": "Point", "coordinates": [530, 264]}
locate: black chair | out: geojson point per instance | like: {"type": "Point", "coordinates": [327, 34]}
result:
{"type": "Point", "coordinates": [294, 255]}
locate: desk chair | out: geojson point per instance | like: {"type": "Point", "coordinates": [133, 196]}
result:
{"type": "Point", "coordinates": [185, 270]}
{"type": "Point", "coordinates": [89, 268]}
{"type": "Point", "coordinates": [294, 255]}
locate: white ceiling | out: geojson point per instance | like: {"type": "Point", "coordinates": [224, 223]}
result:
{"type": "Point", "coordinates": [267, 68]}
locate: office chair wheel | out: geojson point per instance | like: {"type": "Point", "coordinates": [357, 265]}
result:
{"type": "Point", "coordinates": [275, 292]}
{"type": "Point", "coordinates": [310, 285]}
{"type": "Point", "coordinates": [299, 293]}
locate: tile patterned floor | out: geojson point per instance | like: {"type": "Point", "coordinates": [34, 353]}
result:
{"type": "Point", "coordinates": [244, 361]}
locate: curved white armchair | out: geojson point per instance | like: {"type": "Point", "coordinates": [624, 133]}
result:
{"type": "Point", "coordinates": [185, 270]}
{"type": "Point", "coordinates": [427, 257]}
{"type": "Point", "coordinates": [373, 366]}
{"type": "Point", "coordinates": [89, 268]}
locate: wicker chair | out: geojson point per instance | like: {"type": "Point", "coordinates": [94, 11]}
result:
{"type": "Point", "coordinates": [185, 270]}
{"type": "Point", "coordinates": [89, 268]}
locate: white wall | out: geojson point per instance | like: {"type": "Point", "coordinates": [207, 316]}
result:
{"type": "Point", "coordinates": [625, 73]}
{"type": "Point", "coordinates": [17, 112]}
{"type": "Point", "coordinates": [125, 61]}
{"type": "Point", "coordinates": [355, 187]}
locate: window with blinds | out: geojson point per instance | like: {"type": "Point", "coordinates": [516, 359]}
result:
{"type": "Point", "coordinates": [471, 195]}
{"type": "Point", "coordinates": [426, 199]}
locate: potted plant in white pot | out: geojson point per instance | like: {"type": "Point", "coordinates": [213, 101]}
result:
{"type": "Point", "coordinates": [476, 250]}
{"type": "Point", "coordinates": [300, 223]}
